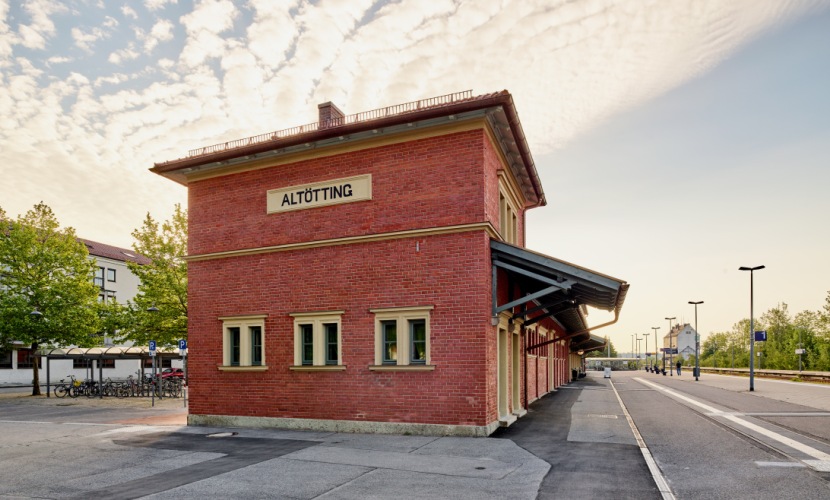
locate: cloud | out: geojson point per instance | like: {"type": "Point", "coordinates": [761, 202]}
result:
{"type": "Point", "coordinates": [129, 12]}
{"type": "Point", "coordinates": [153, 5]}
{"type": "Point", "coordinates": [84, 40]}
{"type": "Point", "coordinates": [162, 31]}
{"type": "Point", "coordinates": [41, 27]}
{"type": "Point", "coordinates": [569, 65]}
{"type": "Point", "coordinates": [204, 25]}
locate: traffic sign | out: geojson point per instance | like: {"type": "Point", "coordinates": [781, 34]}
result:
{"type": "Point", "coordinates": [800, 351]}
{"type": "Point", "coordinates": [182, 344]}
{"type": "Point", "coordinates": [761, 336]}
{"type": "Point", "coordinates": [152, 345]}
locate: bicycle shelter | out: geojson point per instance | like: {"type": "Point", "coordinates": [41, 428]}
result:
{"type": "Point", "coordinates": [97, 354]}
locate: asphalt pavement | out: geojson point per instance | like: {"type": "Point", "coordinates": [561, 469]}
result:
{"type": "Point", "coordinates": [574, 443]}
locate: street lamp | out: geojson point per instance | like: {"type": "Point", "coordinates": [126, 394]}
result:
{"type": "Point", "coordinates": [671, 352]}
{"type": "Point", "coordinates": [645, 336]}
{"type": "Point", "coordinates": [751, 324]}
{"type": "Point", "coordinates": [638, 350]}
{"type": "Point", "coordinates": [697, 343]}
{"type": "Point", "coordinates": [656, 349]}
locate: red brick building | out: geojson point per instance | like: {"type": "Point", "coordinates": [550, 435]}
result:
{"type": "Point", "coordinates": [367, 273]}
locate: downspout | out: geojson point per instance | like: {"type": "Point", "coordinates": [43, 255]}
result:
{"type": "Point", "coordinates": [524, 363]}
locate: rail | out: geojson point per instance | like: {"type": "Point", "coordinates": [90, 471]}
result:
{"type": "Point", "coordinates": [803, 376]}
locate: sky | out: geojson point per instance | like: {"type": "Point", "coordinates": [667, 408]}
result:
{"type": "Point", "coordinates": [676, 141]}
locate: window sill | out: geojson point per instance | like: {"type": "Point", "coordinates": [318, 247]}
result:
{"type": "Point", "coordinates": [401, 368]}
{"type": "Point", "coordinates": [317, 368]}
{"type": "Point", "coordinates": [254, 368]}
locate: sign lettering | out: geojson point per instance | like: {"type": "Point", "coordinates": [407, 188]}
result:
{"type": "Point", "coordinates": [320, 194]}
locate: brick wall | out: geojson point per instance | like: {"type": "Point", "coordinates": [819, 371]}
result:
{"type": "Point", "coordinates": [425, 183]}
{"type": "Point", "coordinates": [448, 272]}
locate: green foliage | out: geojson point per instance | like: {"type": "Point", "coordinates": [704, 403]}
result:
{"type": "Point", "coordinates": [163, 282]}
{"type": "Point", "coordinates": [45, 268]}
{"type": "Point", "coordinates": [808, 329]}
{"type": "Point", "coordinates": [602, 353]}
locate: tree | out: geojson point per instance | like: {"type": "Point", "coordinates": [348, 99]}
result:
{"type": "Point", "coordinates": [159, 311]}
{"type": "Point", "coordinates": [45, 269]}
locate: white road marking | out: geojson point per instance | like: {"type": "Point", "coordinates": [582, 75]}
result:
{"type": "Point", "coordinates": [792, 443]}
{"type": "Point", "coordinates": [656, 474]}
{"type": "Point", "coordinates": [779, 464]}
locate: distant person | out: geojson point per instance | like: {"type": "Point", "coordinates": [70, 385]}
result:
{"type": "Point", "coordinates": [678, 368]}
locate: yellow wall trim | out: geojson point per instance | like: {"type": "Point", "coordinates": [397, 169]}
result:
{"type": "Point", "coordinates": [402, 368]}
{"type": "Point", "coordinates": [320, 368]}
{"type": "Point", "coordinates": [260, 368]}
{"type": "Point", "coordinates": [434, 231]}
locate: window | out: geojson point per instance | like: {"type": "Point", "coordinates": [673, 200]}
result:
{"type": "Point", "coordinates": [243, 341]}
{"type": "Point", "coordinates": [25, 358]}
{"type": "Point", "coordinates": [5, 359]}
{"type": "Point", "coordinates": [509, 203]}
{"type": "Point", "coordinates": [162, 362]}
{"type": "Point", "coordinates": [332, 343]}
{"type": "Point", "coordinates": [81, 363]}
{"type": "Point", "coordinates": [111, 275]}
{"type": "Point", "coordinates": [318, 341]}
{"type": "Point", "coordinates": [98, 278]}
{"type": "Point", "coordinates": [390, 342]}
{"type": "Point", "coordinates": [402, 338]}
{"type": "Point", "coordinates": [418, 336]}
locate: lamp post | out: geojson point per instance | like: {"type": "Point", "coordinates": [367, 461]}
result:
{"type": "Point", "coordinates": [751, 323]}
{"type": "Point", "coordinates": [656, 349]}
{"type": "Point", "coordinates": [645, 336]}
{"type": "Point", "coordinates": [697, 342]}
{"type": "Point", "coordinates": [671, 353]}
{"type": "Point", "coordinates": [638, 350]}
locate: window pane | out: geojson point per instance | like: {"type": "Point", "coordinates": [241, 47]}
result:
{"type": "Point", "coordinates": [256, 345]}
{"type": "Point", "coordinates": [390, 341]}
{"type": "Point", "coordinates": [98, 279]}
{"type": "Point", "coordinates": [307, 336]}
{"type": "Point", "coordinates": [110, 274]}
{"type": "Point", "coordinates": [331, 343]}
{"type": "Point", "coordinates": [418, 334]}
{"type": "Point", "coordinates": [234, 339]}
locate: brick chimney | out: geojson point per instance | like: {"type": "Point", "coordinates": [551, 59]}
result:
{"type": "Point", "coordinates": [330, 115]}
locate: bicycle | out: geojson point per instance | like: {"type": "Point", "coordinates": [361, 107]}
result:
{"type": "Point", "coordinates": [68, 388]}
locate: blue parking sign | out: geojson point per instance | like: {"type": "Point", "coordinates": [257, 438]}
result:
{"type": "Point", "coordinates": [152, 345]}
{"type": "Point", "coordinates": [182, 344]}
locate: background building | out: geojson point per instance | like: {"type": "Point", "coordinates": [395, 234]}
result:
{"type": "Point", "coordinates": [115, 282]}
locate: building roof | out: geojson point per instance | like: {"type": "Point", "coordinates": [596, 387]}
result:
{"type": "Point", "coordinates": [113, 252]}
{"type": "Point", "coordinates": [497, 108]}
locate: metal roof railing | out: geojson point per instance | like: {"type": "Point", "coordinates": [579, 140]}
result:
{"type": "Point", "coordinates": [365, 116]}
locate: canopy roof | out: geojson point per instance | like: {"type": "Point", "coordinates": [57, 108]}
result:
{"type": "Point", "coordinates": [134, 352]}
{"type": "Point", "coordinates": [553, 288]}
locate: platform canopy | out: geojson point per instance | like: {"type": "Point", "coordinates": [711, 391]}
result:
{"type": "Point", "coordinates": [120, 352]}
{"type": "Point", "coordinates": [553, 288]}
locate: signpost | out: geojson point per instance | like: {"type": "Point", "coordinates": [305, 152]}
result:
{"type": "Point", "coordinates": [183, 352]}
{"type": "Point", "coordinates": [152, 388]}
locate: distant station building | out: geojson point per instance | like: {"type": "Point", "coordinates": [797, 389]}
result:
{"type": "Point", "coordinates": [368, 273]}
{"type": "Point", "coordinates": [682, 338]}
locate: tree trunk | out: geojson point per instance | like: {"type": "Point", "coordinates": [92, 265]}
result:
{"type": "Point", "coordinates": [35, 372]}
